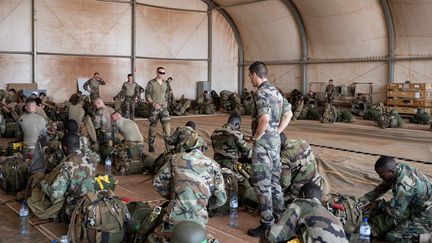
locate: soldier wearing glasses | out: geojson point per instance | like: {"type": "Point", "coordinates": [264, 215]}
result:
{"type": "Point", "coordinates": [158, 92]}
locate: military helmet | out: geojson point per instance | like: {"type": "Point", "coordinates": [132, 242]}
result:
{"type": "Point", "coordinates": [188, 232]}
{"type": "Point", "coordinates": [194, 141]}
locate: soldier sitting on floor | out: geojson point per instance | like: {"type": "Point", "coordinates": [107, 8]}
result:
{"type": "Point", "coordinates": [308, 220]}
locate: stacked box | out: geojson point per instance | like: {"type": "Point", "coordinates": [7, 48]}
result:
{"type": "Point", "coordinates": [407, 98]}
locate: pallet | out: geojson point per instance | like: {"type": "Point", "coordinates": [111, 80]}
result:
{"type": "Point", "coordinates": [408, 110]}
{"type": "Point", "coordinates": [410, 94]}
{"type": "Point", "coordinates": [409, 87]}
{"type": "Point", "coordinates": [409, 102]}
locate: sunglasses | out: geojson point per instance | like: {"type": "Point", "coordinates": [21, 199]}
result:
{"type": "Point", "coordinates": [162, 73]}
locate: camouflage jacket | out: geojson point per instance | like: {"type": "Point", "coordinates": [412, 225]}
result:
{"type": "Point", "coordinates": [192, 182]}
{"type": "Point", "coordinates": [268, 100]}
{"type": "Point", "coordinates": [75, 178]}
{"type": "Point", "coordinates": [157, 93]}
{"type": "Point", "coordinates": [228, 146]}
{"type": "Point", "coordinates": [92, 86]}
{"type": "Point", "coordinates": [411, 190]}
{"type": "Point", "coordinates": [298, 165]}
{"type": "Point", "coordinates": [310, 221]}
{"type": "Point", "coordinates": [180, 137]}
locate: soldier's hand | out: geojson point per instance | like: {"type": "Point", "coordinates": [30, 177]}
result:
{"type": "Point", "coordinates": [156, 106]}
{"type": "Point", "coordinates": [361, 203]}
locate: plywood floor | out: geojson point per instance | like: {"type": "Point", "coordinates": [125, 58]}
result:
{"type": "Point", "coordinates": [347, 172]}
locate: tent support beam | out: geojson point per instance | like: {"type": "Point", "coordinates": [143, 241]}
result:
{"type": "Point", "coordinates": [391, 38]}
{"type": "Point", "coordinates": [34, 39]}
{"type": "Point", "coordinates": [304, 42]}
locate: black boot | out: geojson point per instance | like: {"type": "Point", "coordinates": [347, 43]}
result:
{"type": "Point", "coordinates": [151, 148]}
{"type": "Point", "coordinates": [260, 230]}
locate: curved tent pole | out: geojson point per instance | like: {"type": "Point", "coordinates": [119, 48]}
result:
{"type": "Point", "coordinates": [230, 21]}
{"type": "Point", "coordinates": [391, 38]}
{"type": "Point", "coordinates": [303, 38]}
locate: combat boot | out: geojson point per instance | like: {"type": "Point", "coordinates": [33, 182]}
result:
{"type": "Point", "coordinates": [151, 148]}
{"type": "Point", "coordinates": [260, 230]}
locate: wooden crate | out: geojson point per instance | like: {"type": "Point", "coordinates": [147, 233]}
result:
{"type": "Point", "coordinates": [409, 102]}
{"type": "Point", "coordinates": [407, 110]}
{"type": "Point", "coordinates": [420, 87]}
{"type": "Point", "coordinates": [410, 94]}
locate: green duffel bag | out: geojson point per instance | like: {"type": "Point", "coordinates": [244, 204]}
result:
{"type": "Point", "coordinates": [13, 174]}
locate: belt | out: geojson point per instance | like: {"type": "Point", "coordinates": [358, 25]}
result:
{"type": "Point", "coordinates": [29, 147]}
{"type": "Point", "coordinates": [134, 142]}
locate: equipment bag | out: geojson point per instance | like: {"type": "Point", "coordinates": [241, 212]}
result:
{"type": "Point", "coordinates": [143, 220]}
{"type": "Point", "coordinates": [161, 160]}
{"type": "Point", "coordinates": [98, 218]}
{"type": "Point", "coordinates": [105, 182]}
{"type": "Point", "coordinates": [128, 158]}
{"type": "Point", "coordinates": [342, 206]}
{"type": "Point", "coordinates": [13, 174]}
{"type": "Point", "coordinates": [52, 155]}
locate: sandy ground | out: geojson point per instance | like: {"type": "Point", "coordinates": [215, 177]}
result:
{"type": "Point", "coordinates": [346, 172]}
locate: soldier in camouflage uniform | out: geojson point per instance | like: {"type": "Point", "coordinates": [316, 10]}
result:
{"type": "Point", "coordinates": [205, 104]}
{"type": "Point", "coordinates": [271, 115]}
{"type": "Point", "coordinates": [102, 121]}
{"type": "Point", "coordinates": [229, 144]}
{"type": "Point", "coordinates": [75, 176]}
{"type": "Point", "coordinates": [131, 91]}
{"type": "Point", "coordinates": [179, 107]}
{"type": "Point", "coordinates": [92, 86]}
{"type": "Point", "coordinates": [329, 91]}
{"type": "Point", "coordinates": [192, 182]}
{"type": "Point", "coordinates": [298, 167]}
{"type": "Point", "coordinates": [235, 103]}
{"type": "Point", "coordinates": [409, 213]}
{"type": "Point", "coordinates": [308, 220]}
{"type": "Point", "coordinates": [224, 99]}
{"type": "Point", "coordinates": [329, 114]}
{"type": "Point", "coordinates": [181, 135]}
{"type": "Point", "coordinates": [158, 92]}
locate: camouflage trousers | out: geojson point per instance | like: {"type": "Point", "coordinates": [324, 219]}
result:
{"type": "Point", "coordinates": [266, 173]}
{"type": "Point", "coordinates": [163, 116]}
{"type": "Point", "coordinates": [129, 108]}
{"type": "Point", "coordinates": [411, 226]}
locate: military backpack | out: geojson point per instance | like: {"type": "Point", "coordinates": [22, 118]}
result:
{"type": "Point", "coordinates": [343, 207]}
{"type": "Point", "coordinates": [98, 218]}
{"type": "Point", "coordinates": [52, 155]}
{"type": "Point", "coordinates": [13, 174]}
{"type": "Point", "coordinates": [143, 220]}
{"type": "Point", "coordinates": [128, 159]}
{"type": "Point", "coordinates": [161, 160]}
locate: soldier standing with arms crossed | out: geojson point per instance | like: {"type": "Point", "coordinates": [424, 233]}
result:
{"type": "Point", "coordinates": [270, 117]}
{"type": "Point", "coordinates": [157, 93]}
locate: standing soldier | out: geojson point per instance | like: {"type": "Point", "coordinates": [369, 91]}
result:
{"type": "Point", "coordinates": [270, 117]}
{"type": "Point", "coordinates": [193, 182]}
{"type": "Point", "coordinates": [307, 219]}
{"type": "Point", "coordinates": [329, 91]}
{"type": "Point", "coordinates": [131, 91]}
{"type": "Point", "coordinates": [158, 92]}
{"type": "Point", "coordinates": [92, 86]}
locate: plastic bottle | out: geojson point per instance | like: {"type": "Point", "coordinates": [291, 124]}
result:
{"type": "Point", "coordinates": [24, 219]}
{"type": "Point", "coordinates": [233, 210]}
{"type": "Point", "coordinates": [64, 239]}
{"type": "Point", "coordinates": [108, 163]}
{"type": "Point", "coordinates": [365, 232]}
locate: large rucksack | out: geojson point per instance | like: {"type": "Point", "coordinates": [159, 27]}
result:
{"type": "Point", "coordinates": [13, 174]}
{"type": "Point", "coordinates": [143, 220]}
{"type": "Point", "coordinates": [98, 218]}
{"type": "Point", "coordinates": [161, 160]}
{"type": "Point", "coordinates": [343, 207]}
{"type": "Point", "coordinates": [129, 158]}
{"type": "Point", "coordinates": [52, 155]}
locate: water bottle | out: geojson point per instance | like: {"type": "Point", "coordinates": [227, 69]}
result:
{"type": "Point", "coordinates": [233, 210]}
{"type": "Point", "coordinates": [64, 239]}
{"type": "Point", "coordinates": [108, 163]}
{"type": "Point", "coordinates": [24, 219]}
{"type": "Point", "coordinates": [365, 232]}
